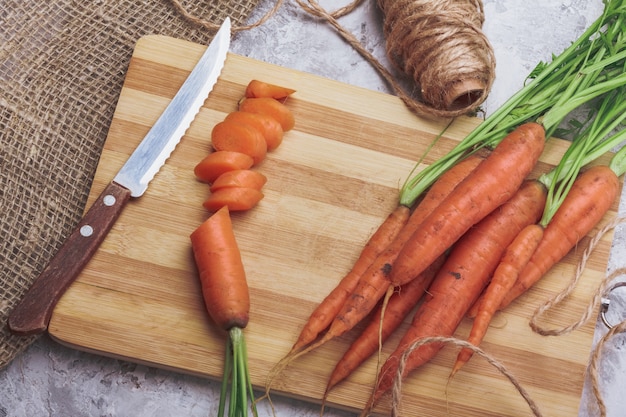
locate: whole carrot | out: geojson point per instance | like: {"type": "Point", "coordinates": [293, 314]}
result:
{"type": "Point", "coordinates": [374, 283]}
{"type": "Point", "coordinates": [342, 307]}
{"type": "Point", "coordinates": [227, 300]}
{"type": "Point", "coordinates": [590, 197]}
{"type": "Point", "coordinates": [491, 184]}
{"type": "Point", "coordinates": [515, 257]}
{"type": "Point", "coordinates": [460, 281]}
{"type": "Point", "coordinates": [326, 311]}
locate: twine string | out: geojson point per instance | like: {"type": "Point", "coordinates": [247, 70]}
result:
{"type": "Point", "coordinates": [398, 380]}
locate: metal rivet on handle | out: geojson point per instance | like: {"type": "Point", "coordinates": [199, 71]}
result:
{"type": "Point", "coordinates": [86, 231]}
{"type": "Point", "coordinates": [605, 302]}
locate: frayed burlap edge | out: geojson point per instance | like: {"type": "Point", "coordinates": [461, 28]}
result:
{"type": "Point", "coordinates": [62, 65]}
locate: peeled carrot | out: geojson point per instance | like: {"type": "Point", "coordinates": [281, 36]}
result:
{"type": "Point", "coordinates": [492, 183]}
{"type": "Point", "coordinates": [219, 162]}
{"type": "Point", "coordinates": [590, 197]}
{"type": "Point", "coordinates": [258, 88]}
{"type": "Point", "coordinates": [400, 304]}
{"type": "Point", "coordinates": [245, 178]}
{"type": "Point", "coordinates": [515, 257]}
{"type": "Point", "coordinates": [221, 271]}
{"type": "Point", "coordinates": [271, 107]}
{"type": "Point", "coordinates": [238, 137]}
{"type": "Point", "coordinates": [235, 198]}
{"type": "Point", "coordinates": [227, 300]}
{"type": "Point", "coordinates": [270, 127]}
{"type": "Point", "coordinates": [460, 281]}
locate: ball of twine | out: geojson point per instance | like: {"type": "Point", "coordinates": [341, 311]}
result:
{"type": "Point", "coordinates": [441, 45]}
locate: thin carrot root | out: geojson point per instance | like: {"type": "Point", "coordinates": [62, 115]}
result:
{"type": "Point", "coordinates": [513, 261]}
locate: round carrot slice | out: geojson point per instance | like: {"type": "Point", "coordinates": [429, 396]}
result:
{"type": "Point", "coordinates": [235, 198]}
{"type": "Point", "coordinates": [245, 178]}
{"type": "Point", "coordinates": [219, 162]}
{"type": "Point", "coordinates": [270, 128]}
{"type": "Point", "coordinates": [229, 135]}
{"type": "Point", "coordinates": [271, 107]}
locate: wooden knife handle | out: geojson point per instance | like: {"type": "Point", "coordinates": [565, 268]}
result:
{"type": "Point", "coordinates": [32, 314]}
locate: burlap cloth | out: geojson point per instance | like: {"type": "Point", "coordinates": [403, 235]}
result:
{"type": "Point", "coordinates": [62, 65]}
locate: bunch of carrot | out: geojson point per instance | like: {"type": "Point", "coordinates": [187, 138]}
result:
{"type": "Point", "coordinates": [478, 244]}
{"type": "Point", "coordinates": [240, 142]}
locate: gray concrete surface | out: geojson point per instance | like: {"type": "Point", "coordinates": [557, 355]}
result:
{"type": "Point", "coordinates": [51, 380]}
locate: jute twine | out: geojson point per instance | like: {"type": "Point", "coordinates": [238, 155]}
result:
{"type": "Point", "coordinates": [587, 314]}
{"type": "Point", "coordinates": [438, 44]}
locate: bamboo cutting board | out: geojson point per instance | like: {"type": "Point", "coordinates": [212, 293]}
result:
{"type": "Point", "coordinates": [330, 184]}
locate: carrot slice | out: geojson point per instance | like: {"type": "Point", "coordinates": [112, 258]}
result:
{"type": "Point", "coordinates": [271, 107]}
{"type": "Point", "coordinates": [270, 127]}
{"type": "Point", "coordinates": [232, 136]}
{"type": "Point", "coordinates": [235, 198]}
{"type": "Point", "coordinates": [216, 163]}
{"type": "Point", "coordinates": [245, 178]}
{"type": "Point", "coordinates": [258, 88]}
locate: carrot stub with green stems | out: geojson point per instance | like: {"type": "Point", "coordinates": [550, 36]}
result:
{"type": "Point", "coordinates": [227, 300]}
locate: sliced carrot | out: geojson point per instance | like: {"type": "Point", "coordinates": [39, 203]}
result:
{"type": "Point", "coordinates": [258, 88]}
{"type": "Point", "coordinates": [270, 127]}
{"type": "Point", "coordinates": [235, 198]}
{"type": "Point", "coordinates": [238, 137]}
{"type": "Point", "coordinates": [219, 162]}
{"type": "Point", "coordinates": [245, 178]}
{"type": "Point", "coordinates": [271, 107]}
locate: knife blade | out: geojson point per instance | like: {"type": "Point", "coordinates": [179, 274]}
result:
{"type": "Point", "coordinates": [33, 312]}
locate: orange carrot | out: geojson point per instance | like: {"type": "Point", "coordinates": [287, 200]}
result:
{"type": "Point", "coordinates": [360, 290]}
{"type": "Point", "coordinates": [513, 261]}
{"type": "Point", "coordinates": [271, 107]}
{"type": "Point", "coordinates": [238, 137]}
{"type": "Point", "coordinates": [373, 283]}
{"type": "Point", "coordinates": [258, 88]}
{"type": "Point", "coordinates": [400, 304]}
{"type": "Point", "coordinates": [492, 183]}
{"type": "Point", "coordinates": [326, 311]}
{"type": "Point", "coordinates": [227, 300]}
{"type": "Point", "coordinates": [235, 198]}
{"type": "Point", "coordinates": [221, 271]}
{"type": "Point", "coordinates": [219, 162]}
{"type": "Point", "coordinates": [270, 127]}
{"type": "Point", "coordinates": [460, 281]}
{"type": "Point", "coordinates": [590, 197]}
{"type": "Point", "coordinates": [245, 178]}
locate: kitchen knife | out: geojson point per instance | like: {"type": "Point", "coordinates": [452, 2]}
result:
{"type": "Point", "coordinates": [32, 314]}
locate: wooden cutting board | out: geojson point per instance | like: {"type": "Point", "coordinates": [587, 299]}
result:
{"type": "Point", "coordinates": [330, 184]}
